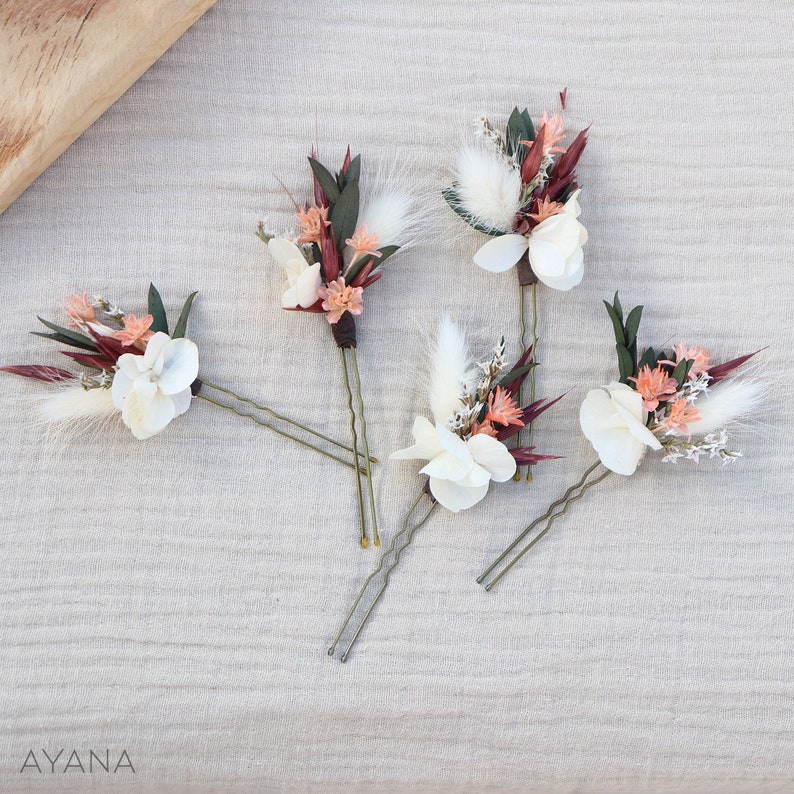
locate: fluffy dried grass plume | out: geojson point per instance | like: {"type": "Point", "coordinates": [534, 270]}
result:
{"type": "Point", "coordinates": [452, 371]}
{"type": "Point", "coordinates": [488, 187]}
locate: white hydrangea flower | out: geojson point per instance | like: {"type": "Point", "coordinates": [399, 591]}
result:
{"type": "Point", "coordinates": [150, 390]}
{"type": "Point", "coordinates": [613, 420]}
{"type": "Point", "coordinates": [554, 247]}
{"type": "Point", "coordinates": [303, 279]}
{"type": "Point", "coordinates": [460, 471]}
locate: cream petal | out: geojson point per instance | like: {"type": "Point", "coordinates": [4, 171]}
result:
{"type": "Point", "coordinates": [154, 347]}
{"type": "Point", "coordinates": [620, 452]}
{"type": "Point", "coordinates": [146, 410]}
{"type": "Point", "coordinates": [572, 205]}
{"type": "Point", "coordinates": [572, 276]}
{"type": "Point", "coordinates": [131, 365]}
{"type": "Point", "coordinates": [286, 254]}
{"type": "Point", "coordinates": [562, 230]}
{"type": "Point", "coordinates": [638, 429]}
{"type": "Point", "coordinates": [289, 297]}
{"type": "Point", "coordinates": [546, 258]}
{"type": "Point", "coordinates": [456, 497]}
{"type": "Point", "coordinates": [182, 401]}
{"type": "Point", "coordinates": [452, 443]}
{"type": "Point", "coordinates": [179, 366]}
{"type": "Point", "coordinates": [447, 467]}
{"type": "Point", "coordinates": [501, 253]}
{"type": "Point", "coordinates": [493, 456]}
{"type": "Point", "coordinates": [122, 384]}
{"type": "Point", "coordinates": [427, 445]}
{"type": "Point", "coordinates": [477, 477]}
{"type": "Point", "coordinates": [307, 285]}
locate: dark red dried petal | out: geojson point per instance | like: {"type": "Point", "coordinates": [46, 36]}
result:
{"type": "Point", "coordinates": [40, 372]}
{"type": "Point", "coordinates": [91, 360]}
{"type": "Point", "coordinates": [567, 162]}
{"type": "Point", "coordinates": [525, 457]}
{"type": "Point", "coordinates": [531, 164]}
{"type": "Point", "coordinates": [723, 370]}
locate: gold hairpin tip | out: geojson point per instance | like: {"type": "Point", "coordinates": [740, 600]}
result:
{"type": "Point", "coordinates": [488, 587]}
{"type": "Point", "coordinates": [529, 476]}
{"type": "Point", "coordinates": [377, 542]}
{"type": "Point", "coordinates": [517, 476]}
{"type": "Point", "coordinates": [364, 543]}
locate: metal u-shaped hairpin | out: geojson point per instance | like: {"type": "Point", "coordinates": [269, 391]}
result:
{"type": "Point", "coordinates": [371, 577]}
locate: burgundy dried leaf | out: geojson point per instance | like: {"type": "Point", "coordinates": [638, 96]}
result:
{"type": "Point", "coordinates": [320, 199]}
{"type": "Point", "coordinates": [531, 164]}
{"type": "Point", "coordinates": [512, 386]}
{"type": "Point", "coordinates": [40, 372]}
{"type": "Point", "coordinates": [347, 161]}
{"type": "Point", "coordinates": [330, 256]}
{"type": "Point", "coordinates": [362, 274]}
{"type": "Point", "coordinates": [567, 162]}
{"type": "Point", "coordinates": [90, 360]}
{"type": "Point", "coordinates": [528, 415]}
{"type": "Point", "coordinates": [556, 187]}
{"type": "Point", "coordinates": [563, 96]}
{"type": "Point", "coordinates": [524, 456]}
{"type": "Point", "coordinates": [372, 279]}
{"type": "Point", "coordinates": [723, 370]}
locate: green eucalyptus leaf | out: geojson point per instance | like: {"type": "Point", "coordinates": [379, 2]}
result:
{"type": "Point", "coordinates": [157, 310]}
{"type": "Point", "coordinates": [515, 373]}
{"type": "Point", "coordinates": [617, 325]}
{"type": "Point", "coordinates": [633, 324]}
{"type": "Point", "coordinates": [648, 359]}
{"type": "Point", "coordinates": [680, 371]}
{"type": "Point", "coordinates": [325, 180]}
{"type": "Point", "coordinates": [452, 198]}
{"type": "Point", "coordinates": [76, 339]}
{"type": "Point", "coordinates": [353, 170]}
{"type": "Point", "coordinates": [181, 323]}
{"type": "Point", "coordinates": [618, 308]}
{"type": "Point", "coordinates": [512, 133]}
{"type": "Point", "coordinates": [529, 127]}
{"type": "Point", "coordinates": [625, 363]}
{"type": "Point", "coordinates": [344, 214]}
{"type": "Point", "coordinates": [68, 340]}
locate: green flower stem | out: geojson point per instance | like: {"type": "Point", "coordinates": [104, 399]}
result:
{"type": "Point", "coordinates": [392, 546]}
{"type": "Point", "coordinates": [522, 344]}
{"type": "Point", "coordinates": [283, 433]}
{"type": "Point", "coordinates": [372, 510]}
{"type": "Point", "coordinates": [354, 437]}
{"type": "Point", "coordinates": [364, 587]}
{"type": "Point", "coordinates": [280, 417]}
{"type": "Point", "coordinates": [532, 371]}
{"type": "Point", "coordinates": [565, 503]}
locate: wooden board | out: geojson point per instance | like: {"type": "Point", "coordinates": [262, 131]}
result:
{"type": "Point", "coordinates": [64, 62]}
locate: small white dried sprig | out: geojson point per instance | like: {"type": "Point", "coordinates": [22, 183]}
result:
{"type": "Point", "coordinates": [484, 129]}
{"type": "Point", "coordinates": [713, 445]}
{"type": "Point", "coordinates": [110, 309]}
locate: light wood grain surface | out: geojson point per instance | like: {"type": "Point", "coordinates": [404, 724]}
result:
{"type": "Point", "coordinates": [63, 63]}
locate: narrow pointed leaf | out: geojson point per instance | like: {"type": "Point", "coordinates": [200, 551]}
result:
{"type": "Point", "coordinates": [633, 324]}
{"type": "Point", "coordinates": [181, 324]}
{"type": "Point", "coordinates": [344, 214]}
{"type": "Point", "coordinates": [76, 339]}
{"type": "Point", "coordinates": [452, 198]}
{"type": "Point", "coordinates": [39, 372]}
{"type": "Point", "coordinates": [617, 325]}
{"type": "Point", "coordinates": [722, 370]}
{"type": "Point", "coordinates": [625, 363]}
{"type": "Point", "coordinates": [65, 340]}
{"type": "Point", "coordinates": [325, 180]}
{"type": "Point", "coordinates": [157, 310]}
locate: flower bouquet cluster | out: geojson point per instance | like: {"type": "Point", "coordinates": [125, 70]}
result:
{"type": "Point", "coordinates": [474, 411]}
{"type": "Point", "coordinates": [519, 186]}
{"type": "Point", "coordinates": [133, 367]}
{"type": "Point", "coordinates": [345, 239]}
{"type": "Point", "coordinates": [675, 402]}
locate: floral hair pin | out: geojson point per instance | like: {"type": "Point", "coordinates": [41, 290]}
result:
{"type": "Point", "coordinates": [134, 367]}
{"type": "Point", "coordinates": [519, 186]}
{"type": "Point", "coordinates": [674, 402]}
{"type": "Point", "coordinates": [475, 411]}
{"type": "Point", "coordinates": [346, 236]}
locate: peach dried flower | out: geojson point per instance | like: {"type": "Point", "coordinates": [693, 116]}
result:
{"type": "Point", "coordinates": [80, 309]}
{"type": "Point", "coordinates": [362, 242]}
{"type": "Point", "coordinates": [655, 386]}
{"type": "Point", "coordinates": [699, 355]}
{"type": "Point", "coordinates": [682, 412]}
{"type": "Point", "coordinates": [136, 330]}
{"type": "Point", "coordinates": [503, 409]}
{"type": "Point", "coordinates": [339, 298]}
{"type": "Point", "coordinates": [312, 221]}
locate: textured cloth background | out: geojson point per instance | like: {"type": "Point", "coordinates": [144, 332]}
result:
{"type": "Point", "coordinates": [175, 597]}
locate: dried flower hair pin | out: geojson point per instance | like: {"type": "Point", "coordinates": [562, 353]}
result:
{"type": "Point", "coordinates": [672, 402]}
{"type": "Point", "coordinates": [519, 186]}
{"type": "Point", "coordinates": [475, 410]}
{"type": "Point", "coordinates": [134, 367]}
{"type": "Point", "coordinates": [346, 236]}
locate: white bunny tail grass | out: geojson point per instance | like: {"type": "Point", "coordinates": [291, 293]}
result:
{"type": "Point", "coordinates": [726, 404]}
{"type": "Point", "coordinates": [452, 371]}
{"type": "Point", "coordinates": [488, 187]}
{"type": "Point", "coordinates": [395, 203]}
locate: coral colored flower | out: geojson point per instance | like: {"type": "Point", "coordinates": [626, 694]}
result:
{"type": "Point", "coordinates": [362, 242]}
{"type": "Point", "coordinates": [503, 409]}
{"type": "Point", "coordinates": [79, 308]}
{"type": "Point", "coordinates": [655, 386]}
{"type": "Point", "coordinates": [483, 428]}
{"type": "Point", "coordinates": [547, 209]}
{"type": "Point", "coordinates": [701, 357]}
{"type": "Point", "coordinates": [312, 221]}
{"type": "Point", "coordinates": [136, 329]}
{"type": "Point", "coordinates": [555, 132]}
{"type": "Point", "coordinates": [339, 298]}
{"type": "Point", "coordinates": [682, 412]}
